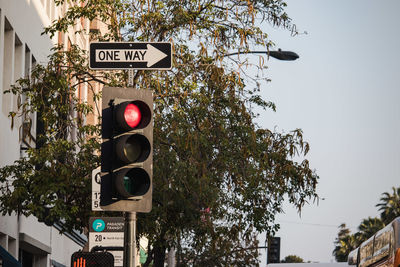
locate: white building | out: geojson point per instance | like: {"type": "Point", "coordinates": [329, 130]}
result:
{"type": "Point", "coordinates": [22, 46]}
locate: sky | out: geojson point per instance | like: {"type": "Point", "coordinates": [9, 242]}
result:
{"type": "Point", "coordinates": [344, 93]}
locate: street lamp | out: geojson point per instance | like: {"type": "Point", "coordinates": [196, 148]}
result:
{"type": "Point", "coordinates": [281, 55]}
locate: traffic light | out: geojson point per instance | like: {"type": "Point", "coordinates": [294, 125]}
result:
{"type": "Point", "coordinates": [274, 248]}
{"type": "Point", "coordinates": [92, 259]}
{"type": "Point", "coordinates": [126, 152]}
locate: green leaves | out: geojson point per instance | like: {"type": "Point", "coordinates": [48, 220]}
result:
{"type": "Point", "coordinates": [210, 155]}
{"type": "Point", "coordinates": [219, 178]}
{"type": "Point", "coordinates": [389, 205]}
{"type": "Point", "coordinates": [52, 181]}
{"type": "Point", "coordinates": [292, 259]}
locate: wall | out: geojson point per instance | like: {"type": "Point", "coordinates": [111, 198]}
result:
{"type": "Point", "coordinates": [22, 46]}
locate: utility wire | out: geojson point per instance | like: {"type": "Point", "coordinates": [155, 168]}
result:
{"type": "Point", "coordinates": [314, 224]}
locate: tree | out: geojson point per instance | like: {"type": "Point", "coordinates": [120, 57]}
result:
{"type": "Point", "coordinates": [219, 178]}
{"type": "Point", "coordinates": [292, 259]}
{"type": "Point", "coordinates": [369, 227]}
{"type": "Point", "coordinates": [52, 181]}
{"type": "Point", "coordinates": [389, 205]}
{"type": "Point", "coordinates": [344, 243]}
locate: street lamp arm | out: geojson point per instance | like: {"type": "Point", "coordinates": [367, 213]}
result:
{"type": "Point", "coordinates": [281, 55]}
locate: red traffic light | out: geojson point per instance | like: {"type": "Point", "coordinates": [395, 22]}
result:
{"type": "Point", "coordinates": [132, 115]}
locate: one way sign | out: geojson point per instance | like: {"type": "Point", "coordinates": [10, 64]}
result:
{"type": "Point", "coordinates": [124, 55]}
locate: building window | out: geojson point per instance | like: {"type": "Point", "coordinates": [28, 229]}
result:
{"type": "Point", "coordinates": [52, 10]}
{"type": "Point", "coordinates": [26, 258]}
{"type": "Point", "coordinates": [27, 64]}
{"type": "Point", "coordinates": [48, 8]}
{"type": "Point", "coordinates": [26, 136]}
{"type": "Point", "coordinates": [18, 65]}
{"type": "Point", "coordinates": [7, 65]}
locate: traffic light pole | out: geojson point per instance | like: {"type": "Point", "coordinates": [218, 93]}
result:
{"type": "Point", "coordinates": [130, 239]}
{"type": "Point", "coordinates": [130, 221]}
{"type": "Point", "coordinates": [130, 78]}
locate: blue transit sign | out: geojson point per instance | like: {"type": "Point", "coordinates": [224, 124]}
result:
{"type": "Point", "coordinates": [125, 55]}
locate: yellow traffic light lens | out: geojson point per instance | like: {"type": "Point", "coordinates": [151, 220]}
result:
{"type": "Point", "coordinates": [132, 148]}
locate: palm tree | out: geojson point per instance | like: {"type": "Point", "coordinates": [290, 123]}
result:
{"type": "Point", "coordinates": [344, 243]}
{"type": "Point", "coordinates": [390, 205]}
{"type": "Point", "coordinates": [368, 228]}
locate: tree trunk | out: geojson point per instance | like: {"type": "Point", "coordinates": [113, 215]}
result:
{"type": "Point", "coordinates": [171, 260]}
{"type": "Point", "coordinates": [159, 256]}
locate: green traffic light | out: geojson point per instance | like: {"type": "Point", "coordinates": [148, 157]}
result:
{"type": "Point", "coordinates": [132, 182]}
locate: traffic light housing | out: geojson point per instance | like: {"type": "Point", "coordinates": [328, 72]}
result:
{"type": "Point", "coordinates": [274, 250]}
{"type": "Point", "coordinates": [126, 150]}
{"type": "Point", "coordinates": [92, 259]}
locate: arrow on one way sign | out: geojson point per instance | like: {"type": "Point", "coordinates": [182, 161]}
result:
{"type": "Point", "coordinates": [131, 56]}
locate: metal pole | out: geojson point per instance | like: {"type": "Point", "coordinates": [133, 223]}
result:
{"type": "Point", "coordinates": [130, 78]}
{"type": "Point", "coordinates": [130, 239]}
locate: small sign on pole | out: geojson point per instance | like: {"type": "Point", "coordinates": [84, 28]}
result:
{"type": "Point", "coordinates": [108, 232]}
{"type": "Point", "coordinates": [96, 180]}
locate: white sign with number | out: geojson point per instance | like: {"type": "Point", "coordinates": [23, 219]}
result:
{"type": "Point", "coordinates": [96, 178]}
{"type": "Point", "coordinates": [108, 232]}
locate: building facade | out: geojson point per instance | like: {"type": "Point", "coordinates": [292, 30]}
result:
{"type": "Point", "coordinates": [21, 47]}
